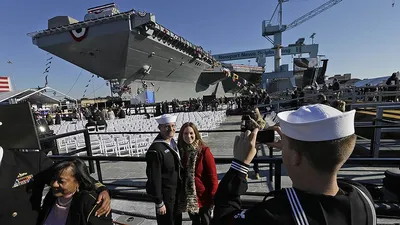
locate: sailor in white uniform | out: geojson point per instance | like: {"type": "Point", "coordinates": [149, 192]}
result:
{"type": "Point", "coordinates": [316, 142]}
{"type": "Point", "coordinates": [164, 172]}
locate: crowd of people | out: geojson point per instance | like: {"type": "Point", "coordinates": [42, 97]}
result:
{"type": "Point", "coordinates": [182, 177]}
{"type": "Point", "coordinates": [54, 116]}
{"type": "Point", "coordinates": [337, 91]}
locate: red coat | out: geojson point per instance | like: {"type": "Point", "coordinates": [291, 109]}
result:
{"type": "Point", "coordinates": [206, 178]}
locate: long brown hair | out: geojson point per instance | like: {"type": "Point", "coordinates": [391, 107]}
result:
{"type": "Point", "coordinates": [182, 143]}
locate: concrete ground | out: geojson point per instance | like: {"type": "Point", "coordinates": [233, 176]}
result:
{"type": "Point", "coordinates": [221, 144]}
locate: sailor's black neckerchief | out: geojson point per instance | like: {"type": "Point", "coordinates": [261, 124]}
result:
{"type": "Point", "coordinates": [171, 145]}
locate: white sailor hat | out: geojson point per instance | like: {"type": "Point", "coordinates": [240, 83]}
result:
{"type": "Point", "coordinates": [317, 122]}
{"type": "Point", "coordinates": [165, 119]}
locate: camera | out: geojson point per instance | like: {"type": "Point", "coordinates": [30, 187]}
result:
{"type": "Point", "coordinates": [246, 120]}
{"type": "Point", "coordinates": [263, 136]}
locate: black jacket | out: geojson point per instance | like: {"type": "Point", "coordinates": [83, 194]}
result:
{"type": "Point", "coordinates": [163, 171]}
{"type": "Point", "coordinates": [22, 201]}
{"type": "Point", "coordinates": [81, 212]}
{"type": "Point", "coordinates": [348, 207]}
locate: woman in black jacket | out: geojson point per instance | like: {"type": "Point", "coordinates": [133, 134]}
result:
{"type": "Point", "coordinates": [72, 199]}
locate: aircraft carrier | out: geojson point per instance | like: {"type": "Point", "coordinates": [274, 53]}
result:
{"type": "Point", "coordinates": [131, 46]}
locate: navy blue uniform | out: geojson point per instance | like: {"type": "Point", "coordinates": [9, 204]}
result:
{"type": "Point", "coordinates": [353, 205]}
{"type": "Point", "coordinates": [164, 179]}
{"type": "Point", "coordinates": [23, 176]}
{"type": "Point", "coordinates": [21, 186]}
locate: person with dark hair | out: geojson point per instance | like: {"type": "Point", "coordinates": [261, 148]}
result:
{"type": "Point", "coordinates": [72, 198]}
{"type": "Point", "coordinates": [312, 156]}
{"type": "Point", "coordinates": [391, 81]}
{"type": "Point", "coordinates": [57, 119]}
{"type": "Point", "coordinates": [23, 176]}
{"type": "Point", "coordinates": [101, 124]}
{"type": "Point", "coordinates": [321, 98]}
{"type": "Point", "coordinates": [335, 85]}
{"type": "Point", "coordinates": [200, 176]}
{"type": "Point", "coordinates": [121, 113]}
{"type": "Point", "coordinates": [91, 124]}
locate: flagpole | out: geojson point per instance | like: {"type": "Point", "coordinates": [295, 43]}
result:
{"type": "Point", "coordinates": [12, 80]}
{"type": "Point", "coordinates": [94, 93]}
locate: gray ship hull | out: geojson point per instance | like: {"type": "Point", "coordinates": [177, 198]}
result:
{"type": "Point", "coordinates": [127, 48]}
{"type": "Point", "coordinates": [166, 91]}
{"type": "Point", "coordinates": [130, 47]}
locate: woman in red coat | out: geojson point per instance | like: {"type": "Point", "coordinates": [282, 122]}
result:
{"type": "Point", "coordinates": [200, 176]}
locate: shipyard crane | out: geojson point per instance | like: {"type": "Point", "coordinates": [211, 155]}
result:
{"type": "Point", "coordinates": [312, 13]}
{"type": "Point", "coordinates": [276, 31]}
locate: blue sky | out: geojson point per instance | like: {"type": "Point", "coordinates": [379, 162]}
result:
{"type": "Point", "coordinates": [357, 36]}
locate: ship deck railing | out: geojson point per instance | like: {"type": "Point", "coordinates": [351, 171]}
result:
{"type": "Point", "coordinates": [81, 24]}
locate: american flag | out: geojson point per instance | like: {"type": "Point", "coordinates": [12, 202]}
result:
{"type": "Point", "coordinates": [5, 84]}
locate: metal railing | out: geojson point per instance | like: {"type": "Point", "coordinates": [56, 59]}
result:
{"type": "Point", "coordinates": [82, 24]}
{"type": "Point", "coordinates": [377, 131]}
{"type": "Point", "coordinates": [354, 94]}
{"type": "Point", "coordinates": [277, 161]}
{"type": "Point", "coordinates": [380, 206]}
{"type": "Point", "coordinates": [380, 124]}
{"type": "Point", "coordinates": [89, 153]}
{"type": "Point", "coordinates": [87, 148]}
{"type": "Point", "coordinates": [275, 166]}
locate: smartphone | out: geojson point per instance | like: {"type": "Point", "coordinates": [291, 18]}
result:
{"type": "Point", "coordinates": [246, 117]}
{"type": "Point", "coordinates": [245, 124]}
{"type": "Point", "coordinates": [265, 136]}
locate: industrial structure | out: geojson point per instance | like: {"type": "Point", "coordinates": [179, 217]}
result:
{"type": "Point", "coordinates": [281, 73]}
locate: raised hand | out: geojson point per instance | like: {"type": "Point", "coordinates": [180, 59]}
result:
{"type": "Point", "coordinates": [277, 144]}
{"type": "Point", "coordinates": [244, 148]}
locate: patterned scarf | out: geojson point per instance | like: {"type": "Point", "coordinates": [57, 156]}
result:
{"type": "Point", "coordinates": [188, 199]}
